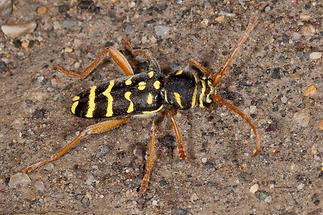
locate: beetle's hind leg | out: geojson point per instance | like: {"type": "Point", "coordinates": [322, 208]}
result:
{"type": "Point", "coordinates": [145, 54]}
{"type": "Point", "coordinates": [219, 100]}
{"type": "Point", "coordinates": [98, 128]}
{"type": "Point", "coordinates": [115, 55]}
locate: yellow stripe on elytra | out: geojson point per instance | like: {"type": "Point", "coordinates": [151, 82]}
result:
{"type": "Point", "coordinates": [150, 98]}
{"type": "Point", "coordinates": [151, 74]}
{"type": "Point", "coordinates": [202, 93]}
{"type": "Point", "coordinates": [153, 111]}
{"type": "Point", "coordinates": [91, 103]}
{"type": "Point", "coordinates": [141, 85]}
{"type": "Point", "coordinates": [127, 96]}
{"type": "Point", "coordinates": [179, 72]}
{"type": "Point", "coordinates": [178, 99]}
{"type": "Point", "coordinates": [107, 93]}
{"type": "Point", "coordinates": [75, 103]}
{"type": "Point", "coordinates": [208, 100]}
{"type": "Point", "coordinates": [128, 82]}
{"type": "Point", "coordinates": [157, 85]}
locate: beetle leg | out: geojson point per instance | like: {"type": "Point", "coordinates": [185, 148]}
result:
{"type": "Point", "coordinates": [219, 100]}
{"type": "Point", "coordinates": [115, 55]}
{"type": "Point", "coordinates": [179, 137]}
{"type": "Point", "coordinates": [92, 129]}
{"type": "Point", "coordinates": [144, 53]}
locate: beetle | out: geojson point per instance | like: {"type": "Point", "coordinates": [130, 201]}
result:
{"type": "Point", "coordinates": [149, 93]}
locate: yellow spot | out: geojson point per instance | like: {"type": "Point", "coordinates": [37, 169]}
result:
{"type": "Point", "coordinates": [141, 85]}
{"type": "Point", "coordinates": [150, 98]}
{"type": "Point", "coordinates": [178, 99]}
{"type": "Point", "coordinates": [75, 103]}
{"type": "Point", "coordinates": [128, 81]}
{"type": "Point", "coordinates": [91, 103]}
{"type": "Point", "coordinates": [157, 85]}
{"type": "Point", "coordinates": [151, 74]}
{"type": "Point", "coordinates": [127, 96]}
{"type": "Point", "coordinates": [107, 93]}
{"type": "Point", "coordinates": [202, 93]}
{"type": "Point", "coordinates": [75, 98]}
{"type": "Point", "coordinates": [194, 97]}
{"type": "Point", "coordinates": [153, 111]}
{"type": "Point", "coordinates": [179, 72]}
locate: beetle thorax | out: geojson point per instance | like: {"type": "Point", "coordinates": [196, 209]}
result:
{"type": "Point", "coordinates": [184, 90]}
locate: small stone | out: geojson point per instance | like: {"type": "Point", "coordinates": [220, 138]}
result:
{"type": "Point", "coordinates": [315, 55]}
{"type": "Point", "coordinates": [254, 188]}
{"type": "Point", "coordinates": [321, 125]}
{"type": "Point", "coordinates": [194, 197]}
{"type": "Point", "coordinates": [267, 9]}
{"type": "Point", "coordinates": [219, 19]}
{"type": "Point", "coordinates": [69, 23]}
{"type": "Point", "coordinates": [42, 10]}
{"type": "Point", "coordinates": [68, 50]}
{"type": "Point", "coordinates": [316, 199]}
{"type": "Point", "coordinates": [252, 109]}
{"type": "Point", "coordinates": [276, 73]}
{"type": "Point", "coordinates": [19, 179]}
{"type": "Point", "coordinates": [204, 160]}
{"type": "Point", "coordinates": [305, 17]}
{"type": "Point", "coordinates": [102, 151]}
{"type": "Point", "coordinates": [310, 90]}
{"type": "Point", "coordinates": [308, 30]}
{"type": "Point", "coordinates": [154, 203]}
{"type": "Point", "coordinates": [205, 22]}
{"type": "Point", "coordinates": [284, 99]}
{"type": "Point", "coordinates": [5, 7]}
{"type": "Point", "coordinates": [180, 211]}
{"type": "Point", "coordinates": [19, 29]}
{"type": "Point", "coordinates": [302, 117]}
{"type": "Point", "coordinates": [296, 36]}
{"type": "Point", "coordinates": [262, 195]}
{"type": "Point", "coordinates": [132, 4]}
{"type": "Point", "coordinates": [39, 185]}
{"type": "Point", "coordinates": [300, 186]}
{"type": "Point", "coordinates": [24, 44]}
{"type": "Point", "coordinates": [90, 181]}
{"type": "Point", "coordinates": [161, 30]}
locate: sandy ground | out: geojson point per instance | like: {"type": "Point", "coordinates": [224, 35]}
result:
{"type": "Point", "coordinates": [276, 79]}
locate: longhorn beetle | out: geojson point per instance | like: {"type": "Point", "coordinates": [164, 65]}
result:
{"type": "Point", "coordinates": [150, 93]}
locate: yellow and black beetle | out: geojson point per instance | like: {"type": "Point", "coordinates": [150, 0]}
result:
{"type": "Point", "coordinates": [149, 92]}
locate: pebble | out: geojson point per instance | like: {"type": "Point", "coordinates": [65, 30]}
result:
{"type": "Point", "coordinates": [315, 55]}
{"type": "Point", "coordinates": [300, 186]}
{"type": "Point", "coordinates": [154, 203]}
{"type": "Point", "coordinates": [19, 179]}
{"type": "Point", "coordinates": [68, 50]}
{"type": "Point", "coordinates": [69, 23]}
{"type": "Point", "coordinates": [161, 30]}
{"type": "Point", "coordinates": [219, 19]}
{"type": "Point", "coordinates": [254, 188]}
{"type": "Point", "coordinates": [39, 185]}
{"type": "Point", "coordinates": [42, 10]}
{"type": "Point", "coordinates": [204, 160]}
{"type": "Point", "coordinates": [296, 36]}
{"type": "Point", "coordinates": [19, 29]}
{"type": "Point", "coordinates": [194, 197]}
{"type": "Point", "coordinates": [310, 90]}
{"type": "Point", "coordinates": [180, 211]}
{"type": "Point", "coordinates": [321, 125]}
{"type": "Point", "coordinates": [302, 117]}
{"type": "Point", "coordinates": [252, 109]}
{"type": "Point", "coordinates": [284, 99]}
{"type": "Point", "coordinates": [305, 17]}
{"type": "Point", "coordinates": [263, 195]}
{"type": "Point", "coordinates": [5, 7]}
{"type": "Point", "coordinates": [308, 30]}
